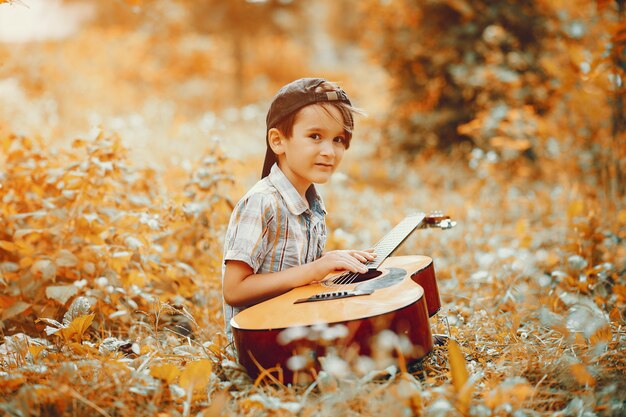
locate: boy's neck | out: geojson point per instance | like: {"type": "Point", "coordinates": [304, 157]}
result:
{"type": "Point", "coordinates": [301, 187]}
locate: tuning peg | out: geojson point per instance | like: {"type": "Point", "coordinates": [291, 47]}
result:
{"type": "Point", "coordinates": [447, 224]}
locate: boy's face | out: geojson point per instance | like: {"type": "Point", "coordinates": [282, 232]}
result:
{"type": "Point", "coordinates": [315, 148]}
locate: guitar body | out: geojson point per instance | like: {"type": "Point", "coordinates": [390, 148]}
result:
{"type": "Point", "coordinates": [290, 332]}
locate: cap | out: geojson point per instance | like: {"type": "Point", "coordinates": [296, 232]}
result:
{"type": "Point", "coordinates": [292, 97]}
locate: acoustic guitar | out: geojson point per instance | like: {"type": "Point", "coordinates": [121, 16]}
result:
{"type": "Point", "coordinates": [344, 312]}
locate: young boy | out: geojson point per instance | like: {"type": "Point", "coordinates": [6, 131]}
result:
{"type": "Point", "coordinates": [277, 231]}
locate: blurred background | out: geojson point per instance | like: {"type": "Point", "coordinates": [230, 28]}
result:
{"type": "Point", "coordinates": [507, 115]}
{"type": "Point", "coordinates": [521, 89]}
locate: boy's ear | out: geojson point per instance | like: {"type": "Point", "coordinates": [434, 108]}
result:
{"type": "Point", "coordinates": [276, 140]}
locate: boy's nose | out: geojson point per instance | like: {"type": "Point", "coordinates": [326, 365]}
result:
{"type": "Point", "coordinates": [327, 148]}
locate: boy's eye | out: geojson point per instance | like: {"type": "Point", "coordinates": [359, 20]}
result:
{"type": "Point", "coordinates": [315, 136]}
{"type": "Point", "coordinates": [340, 139]}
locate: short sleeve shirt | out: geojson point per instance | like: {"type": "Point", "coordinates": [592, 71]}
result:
{"type": "Point", "coordinates": [272, 228]}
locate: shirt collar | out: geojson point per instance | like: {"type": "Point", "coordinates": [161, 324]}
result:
{"type": "Point", "coordinates": [294, 201]}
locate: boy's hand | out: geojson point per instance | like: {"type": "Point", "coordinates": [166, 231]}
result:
{"type": "Point", "coordinates": [242, 287]}
{"type": "Point", "coordinates": [345, 260]}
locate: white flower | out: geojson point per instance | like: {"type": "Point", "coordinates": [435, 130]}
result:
{"type": "Point", "coordinates": [292, 333]}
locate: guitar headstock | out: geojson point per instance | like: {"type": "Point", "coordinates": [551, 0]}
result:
{"type": "Point", "coordinates": [438, 219]}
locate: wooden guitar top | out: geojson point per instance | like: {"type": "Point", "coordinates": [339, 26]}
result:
{"type": "Point", "coordinates": [280, 312]}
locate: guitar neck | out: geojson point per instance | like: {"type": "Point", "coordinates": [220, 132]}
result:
{"type": "Point", "coordinates": [390, 242]}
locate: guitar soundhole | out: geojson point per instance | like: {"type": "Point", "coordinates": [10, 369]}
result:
{"type": "Point", "coordinates": [352, 277]}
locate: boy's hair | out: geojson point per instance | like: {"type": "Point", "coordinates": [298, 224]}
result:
{"type": "Point", "coordinates": [301, 93]}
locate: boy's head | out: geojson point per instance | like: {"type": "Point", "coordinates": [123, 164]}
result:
{"type": "Point", "coordinates": [297, 95]}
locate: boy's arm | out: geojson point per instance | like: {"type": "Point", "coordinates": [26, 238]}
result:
{"type": "Point", "coordinates": [242, 287]}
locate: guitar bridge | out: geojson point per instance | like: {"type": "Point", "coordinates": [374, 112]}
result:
{"type": "Point", "coordinates": [333, 295]}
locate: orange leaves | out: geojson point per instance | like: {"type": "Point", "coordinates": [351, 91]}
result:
{"type": "Point", "coordinates": [76, 320]}
{"type": "Point", "coordinates": [85, 223]}
{"type": "Point", "coordinates": [75, 219]}
{"type": "Point", "coordinates": [582, 374]}
{"type": "Point", "coordinates": [506, 143]}
{"type": "Point", "coordinates": [458, 370]}
{"type": "Point", "coordinates": [167, 372]}
{"type": "Point", "coordinates": [463, 386]}
{"type": "Point", "coordinates": [7, 246]}
{"type": "Point", "coordinates": [196, 375]}
{"type": "Point", "coordinates": [575, 209]}
{"type": "Point", "coordinates": [194, 379]}
{"type": "Point", "coordinates": [11, 383]}
{"type": "Point", "coordinates": [76, 328]}
{"type": "Point", "coordinates": [603, 334]}
{"type": "Point", "coordinates": [35, 351]}
{"type": "Point", "coordinates": [73, 330]}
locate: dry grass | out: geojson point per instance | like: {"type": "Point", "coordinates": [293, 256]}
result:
{"type": "Point", "coordinates": [532, 284]}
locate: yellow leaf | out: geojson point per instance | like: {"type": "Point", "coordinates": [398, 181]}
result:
{"type": "Point", "coordinates": [196, 374]}
{"type": "Point", "coordinates": [460, 377]}
{"type": "Point", "coordinates": [515, 322]}
{"type": "Point", "coordinates": [464, 398]}
{"type": "Point", "coordinates": [457, 365]}
{"type": "Point", "coordinates": [519, 393]}
{"type": "Point", "coordinates": [77, 328]}
{"type": "Point", "coordinates": [26, 261]}
{"type": "Point", "coordinates": [582, 375]}
{"type": "Point", "coordinates": [136, 278]}
{"type": "Point", "coordinates": [7, 246]}
{"type": "Point", "coordinates": [83, 350]}
{"type": "Point", "coordinates": [166, 372]}
{"type": "Point", "coordinates": [35, 351]}
{"type": "Point", "coordinates": [521, 227]}
{"type": "Point", "coordinates": [216, 350]}
{"type": "Point", "coordinates": [575, 209]}
{"type": "Point", "coordinates": [504, 142]}
{"type": "Point", "coordinates": [603, 334]}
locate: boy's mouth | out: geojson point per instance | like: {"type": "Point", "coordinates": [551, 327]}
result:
{"type": "Point", "coordinates": [323, 165]}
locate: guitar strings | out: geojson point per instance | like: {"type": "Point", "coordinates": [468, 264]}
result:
{"type": "Point", "coordinates": [348, 278]}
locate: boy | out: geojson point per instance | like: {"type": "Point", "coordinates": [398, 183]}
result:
{"type": "Point", "coordinates": [277, 231]}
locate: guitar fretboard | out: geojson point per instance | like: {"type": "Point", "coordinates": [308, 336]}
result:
{"type": "Point", "coordinates": [394, 238]}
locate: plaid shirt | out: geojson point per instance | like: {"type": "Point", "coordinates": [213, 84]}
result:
{"type": "Point", "coordinates": [272, 229]}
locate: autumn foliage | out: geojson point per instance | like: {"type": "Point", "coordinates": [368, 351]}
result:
{"type": "Point", "coordinates": [530, 83]}
{"type": "Point", "coordinates": [111, 292]}
{"type": "Point", "coordinates": [88, 238]}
